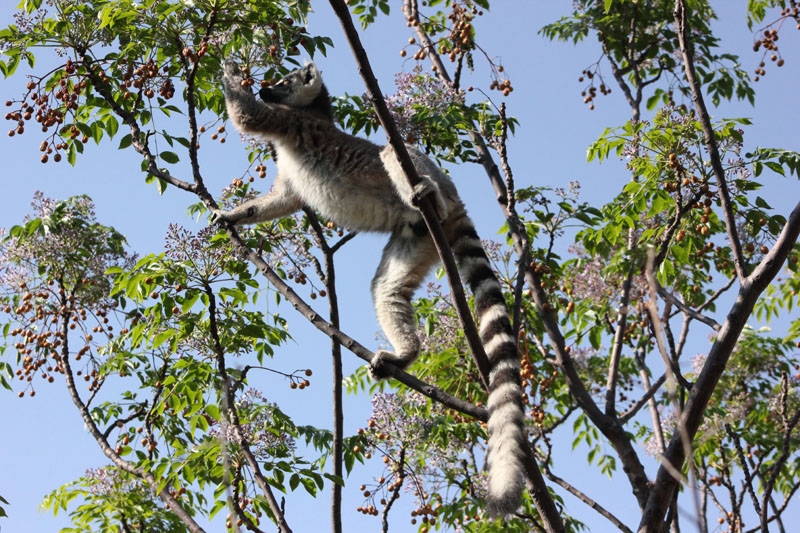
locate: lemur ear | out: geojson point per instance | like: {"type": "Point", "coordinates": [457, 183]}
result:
{"type": "Point", "coordinates": [310, 74]}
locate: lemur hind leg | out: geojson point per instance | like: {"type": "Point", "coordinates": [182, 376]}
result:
{"type": "Point", "coordinates": [406, 260]}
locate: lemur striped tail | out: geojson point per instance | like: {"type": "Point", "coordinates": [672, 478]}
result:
{"type": "Point", "coordinates": [506, 426]}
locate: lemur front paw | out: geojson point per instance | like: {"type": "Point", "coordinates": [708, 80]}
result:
{"type": "Point", "coordinates": [234, 80]}
{"type": "Point", "coordinates": [427, 187]}
{"type": "Point", "coordinates": [218, 217]}
{"type": "Point", "coordinates": [232, 72]}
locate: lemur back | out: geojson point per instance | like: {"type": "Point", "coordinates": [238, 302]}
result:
{"type": "Point", "coordinates": [361, 186]}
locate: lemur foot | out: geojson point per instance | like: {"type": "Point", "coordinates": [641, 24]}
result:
{"type": "Point", "coordinates": [383, 358]}
{"type": "Point", "coordinates": [427, 187]}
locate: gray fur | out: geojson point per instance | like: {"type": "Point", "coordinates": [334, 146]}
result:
{"type": "Point", "coordinates": [360, 186]}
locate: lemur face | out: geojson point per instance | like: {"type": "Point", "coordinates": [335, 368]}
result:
{"type": "Point", "coordinates": [301, 89]}
{"type": "Point", "coordinates": [298, 89]}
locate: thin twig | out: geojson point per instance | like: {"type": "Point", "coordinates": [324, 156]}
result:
{"type": "Point", "coordinates": [337, 448]}
{"type": "Point", "coordinates": [511, 204]}
{"type": "Point", "coordinates": [619, 334]}
{"type": "Point", "coordinates": [669, 297]}
{"type": "Point", "coordinates": [138, 141]}
{"type": "Point", "coordinates": [229, 405]}
{"type": "Point", "coordinates": [587, 500]}
{"type": "Point", "coordinates": [789, 424]}
{"type": "Point", "coordinates": [739, 261]}
{"type": "Point", "coordinates": [749, 480]}
{"type": "Point", "coordinates": [91, 424]}
{"type": "Point", "coordinates": [401, 474]}
{"type": "Point", "coordinates": [646, 397]}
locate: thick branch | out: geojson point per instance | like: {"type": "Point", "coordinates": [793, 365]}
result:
{"type": "Point", "coordinates": [610, 428]}
{"type": "Point", "coordinates": [426, 207]}
{"type": "Point", "coordinates": [751, 288]}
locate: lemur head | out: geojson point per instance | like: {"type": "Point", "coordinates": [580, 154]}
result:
{"type": "Point", "coordinates": [302, 89]}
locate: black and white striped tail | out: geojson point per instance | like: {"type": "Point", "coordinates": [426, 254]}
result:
{"type": "Point", "coordinates": [506, 419]}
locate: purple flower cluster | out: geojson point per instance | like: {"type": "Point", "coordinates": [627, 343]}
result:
{"type": "Point", "coordinates": [596, 285]}
{"type": "Point", "coordinates": [260, 427]}
{"type": "Point", "coordinates": [416, 91]}
{"type": "Point", "coordinates": [184, 246]}
{"type": "Point", "coordinates": [409, 425]}
{"type": "Point", "coordinates": [108, 481]}
{"type": "Point", "coordinates": [72, 247]}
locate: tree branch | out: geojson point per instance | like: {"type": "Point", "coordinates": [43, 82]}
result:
{"type": "Point", "coordinates": [789, 424]}
{"type": "Point", "coordinates": [739, 261]}
{"type": "Point", "coordinates": [748, 477]}
{"type": "Point", "coordinates": [138, 141]}
{"type": "Point", "coordinates": [751, 288]}
{"type": "Point", "coordinates": [610, 428]}
{"type": "Point", "coordinates": [173, 504]}
{"type": "Point", "coordinates": [426, 207]}
{"type": "Point", "coordinates": [229, 407]}
{"type": "Point", "coordinates": [337, 448]}
{"type": "Point", "coordinates": [348, 342]}
{"type": "Point", "coordinates": [649, 393]}
{"type": "Point", "coordinates": [619, 335]}
{"type": "Point", "coordinates": [536, 485]}
{"type": "Point", "coordinates": [587, 500]}
{"type": "Point", "coordinates": [191, 103]}
{"type": "Point", "coordinates": [669, 297]}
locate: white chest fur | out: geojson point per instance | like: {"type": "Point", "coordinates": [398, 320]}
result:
{"type": "Point", "coordinates": [357, 202]}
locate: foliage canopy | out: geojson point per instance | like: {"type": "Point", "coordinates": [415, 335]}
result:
{"type": "Point", "coordinates": [608, 314]}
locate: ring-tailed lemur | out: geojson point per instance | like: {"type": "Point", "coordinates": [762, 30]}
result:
{"type": "Point", "coordinates": [361, 186]}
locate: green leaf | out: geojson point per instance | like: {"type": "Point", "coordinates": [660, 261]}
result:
{"type": "Point", "coordinates": [661, 202]}
{"type": "Point", "coordinates": [760, 202]}
{"type": "Point", "coordinates": [775, 167]}
{"type": "Point", "coordinates": [96, 129]}
{"type": "Point", "coordinates": [679, 252]}
{"type": "Point", "coordinates": [596, 337]}
{"type": "Point", "coordinates": [169, 157]}
{"type": "Point", "coordinates": [111, 125]}
{"type": "Point", "coordinates": [72, 154]}
{"type": "Point", "coordinates": [214, 412]}
{"type": "Point", "coordinates": [162, 337]}
{"type": "Point", "coordinates": [309, 485]}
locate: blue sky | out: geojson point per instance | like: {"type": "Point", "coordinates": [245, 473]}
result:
{"type": "Point", "coordinates": [43, 443]}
